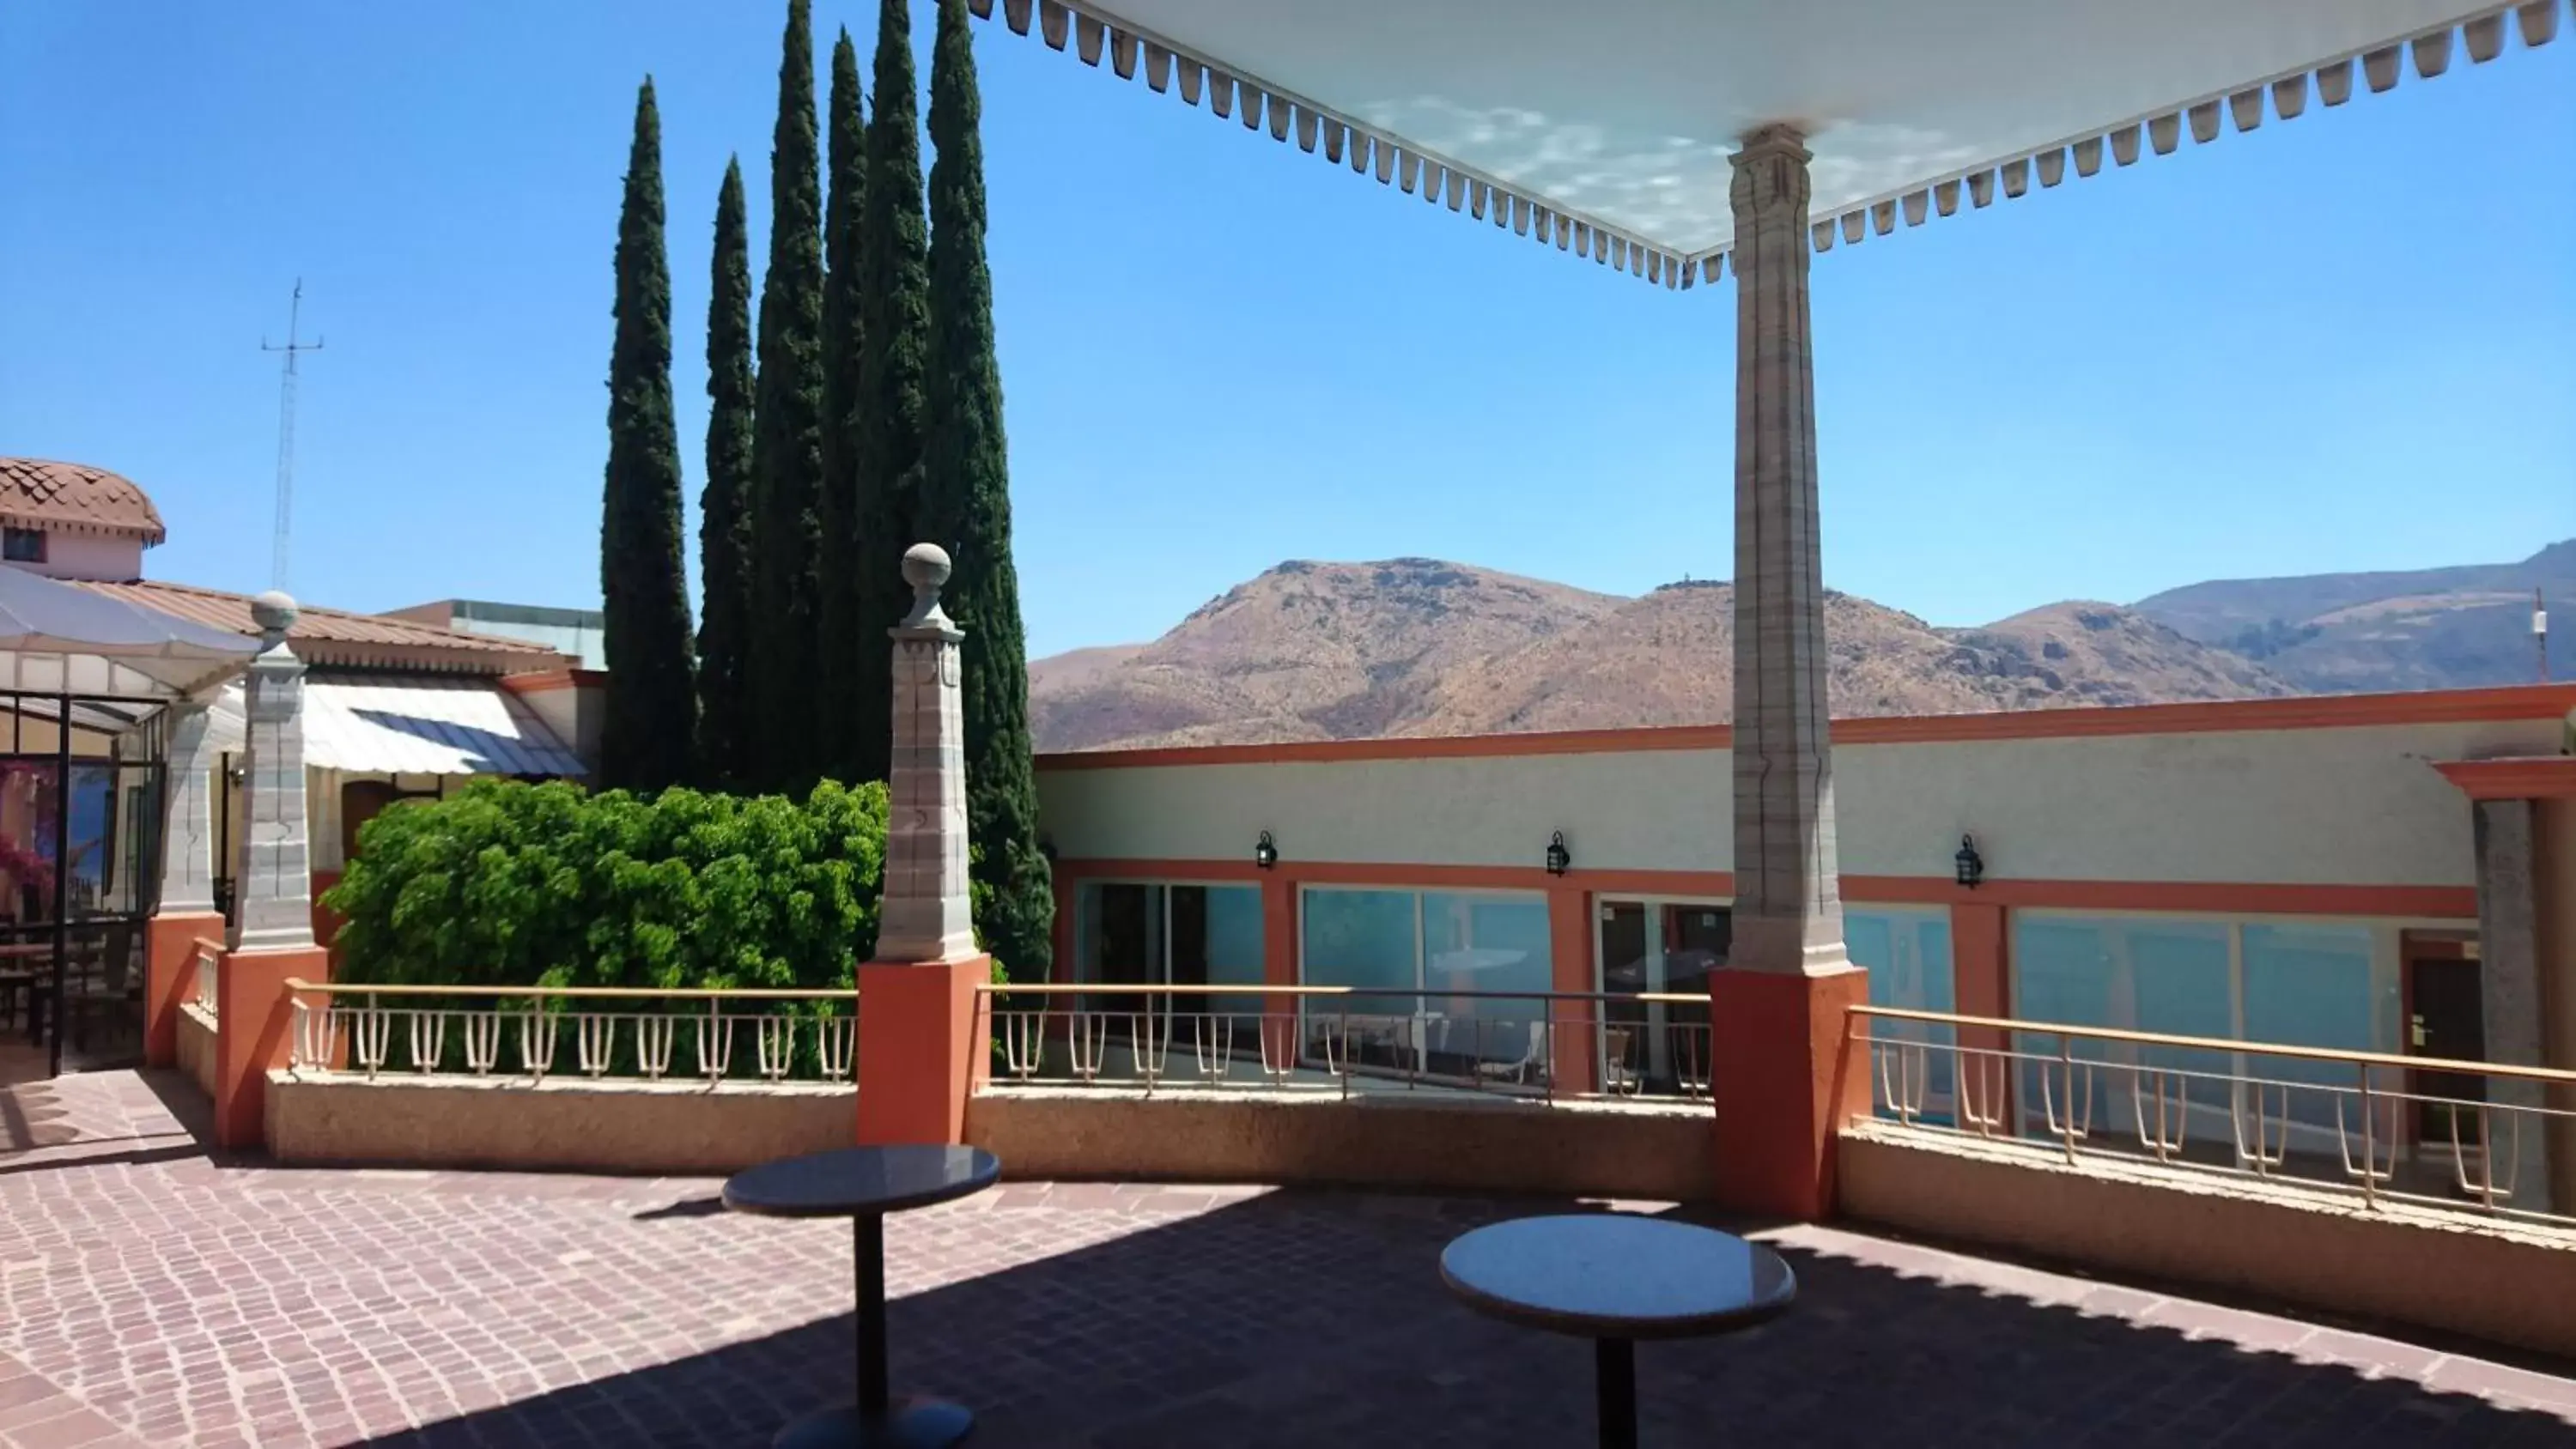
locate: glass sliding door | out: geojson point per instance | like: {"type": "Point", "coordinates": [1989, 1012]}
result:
{"type": "Point", "coordinates": [1418, 963]}
{"type": "Point", "coordinates": [1654, 947]}
{"type": "Point", "coordinates": [1364, 939]}
{"type": "Point", "coordinates": [1134, 933]}
{"type": "Point", "coordinates": [1907, 955]}
{"type": "Point", "coordinates": [1485, 943]}
{"type": "Point", "coordinates": [2319, 986]}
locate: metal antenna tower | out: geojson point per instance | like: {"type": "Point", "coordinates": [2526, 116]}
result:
{"type": "Point", "coordinates": [286, 433]}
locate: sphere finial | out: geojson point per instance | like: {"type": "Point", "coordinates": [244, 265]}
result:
{"type": "Point", "coordinates": [274, 612]}
{"type": "Point", "coordinates": [925, 567]}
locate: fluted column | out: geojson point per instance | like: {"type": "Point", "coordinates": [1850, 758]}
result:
{"type": "Point", "coordinates": [1784, 1069]}
{"type": "Point", "coordinates": [1788, 904]}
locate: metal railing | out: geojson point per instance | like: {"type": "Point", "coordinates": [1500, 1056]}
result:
{"type": "Point", "coordinates": [1339, 1039]}
{"type": "Point", "coordinates": [2383, 1128]}
{"type": "Point", "coordinates": [205, 962]}
{"type": "Point", "coordinates": [714, 1036]}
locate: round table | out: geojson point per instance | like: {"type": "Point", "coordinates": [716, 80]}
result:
{"type": "Point", "coordinates": [1615, 1279]}
{"type": "Point", "coordinates": [864, 1184]}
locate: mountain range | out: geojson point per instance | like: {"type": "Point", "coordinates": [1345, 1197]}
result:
{"type": "Point", "coordinates": [1315, 651]}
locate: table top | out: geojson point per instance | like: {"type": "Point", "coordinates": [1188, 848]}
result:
{"type": "Point", "coordinates": [1614, 1275]}
{"type": "Point", "coordinates": [861, 1181]}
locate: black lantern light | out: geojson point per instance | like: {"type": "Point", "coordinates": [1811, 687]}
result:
{"type": "Point", "coordinates": [1972, 866]}
{"type": "Point", "coordinates": [1559, 859]}
{"type": "Point", "coordinates": [1046, 847]}
{"type": "Point", "coordinates": [1265, 852]}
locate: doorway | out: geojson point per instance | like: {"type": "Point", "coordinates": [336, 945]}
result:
{"type": "Point", "coordinates": [2446, 1018]}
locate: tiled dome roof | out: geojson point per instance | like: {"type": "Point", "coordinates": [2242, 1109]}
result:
{"type": "Point", "coordinates": [35, 493]}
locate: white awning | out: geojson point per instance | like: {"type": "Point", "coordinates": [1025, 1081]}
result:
{"type": "Point", "coordinates": [1607, 128]}
{"type": "Point", "coordinates": [414, 725]}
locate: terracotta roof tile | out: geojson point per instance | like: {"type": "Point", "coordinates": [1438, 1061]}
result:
{"type": "Point", "coordinates": [336, 637]}
{"type": "Point", "coordinates": [35, 493]}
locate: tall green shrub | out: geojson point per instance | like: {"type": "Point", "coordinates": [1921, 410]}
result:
{"type": "Point", "coordinates": [652, 703]}
{"type": "Point", "coordinates": [508, 884]}
{"type": "Point", "coordinates": [726, 711]}
{"type": "Point", "coordinates": [966, 506]}
{"type": "Point", "coordinates": [890, 407]}
{"type": "Point", "coordinates": [787, 444]}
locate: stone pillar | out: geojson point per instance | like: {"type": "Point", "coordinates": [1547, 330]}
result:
{"type": "Point", "coordinates": [2509, 964]}
{"type": "Point", "coordinates": [273, 883]}
{"type": "Point", "coordinates": [1782, 1079]}
{"type": "Point", "coordinates": [924, 1041]}
{"type": "Point", "coordinates": [184, 911]}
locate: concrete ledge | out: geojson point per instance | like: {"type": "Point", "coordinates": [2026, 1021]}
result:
{"type": "Point", "coordinates": [2503, 1282]}
{"type": "Point", "coordinates": [678, 1128]}
{"type": "Point", "coordinates": [197, 1046]}
{"type": "Point", "coordinates": [1453, 1143]}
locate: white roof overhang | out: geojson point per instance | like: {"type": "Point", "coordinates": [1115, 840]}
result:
{"type": "Point", "coordinates": [119, 661]}
{"type": "Point", "coordinates": [413, 725]}
{"type": "Point", "coordinates": [1605, 128]}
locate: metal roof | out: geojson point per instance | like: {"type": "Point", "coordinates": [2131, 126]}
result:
{"type": "Point", "coordinates": [411, 725]}
{"type": "Point", "coordinates": [334, 636]}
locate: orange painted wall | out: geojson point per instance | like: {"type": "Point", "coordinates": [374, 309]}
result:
{"type": "Point", "coordinates": [253, 1034]}
{"type": "Point", "coordinates": [1570, 953]}
{"type": "Point", "coordinates": [1981, 975]}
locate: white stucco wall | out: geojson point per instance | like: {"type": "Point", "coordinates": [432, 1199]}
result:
{"type": "Point", "coordinates": [71, 555]}
{"type": "Point", "coordinates": [2357, 805]}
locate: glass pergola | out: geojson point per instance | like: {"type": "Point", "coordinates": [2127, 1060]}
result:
{"type": "Point", "coordinates": [88, 687]}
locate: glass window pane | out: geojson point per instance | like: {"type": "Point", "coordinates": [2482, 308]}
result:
{"type": "Point", "coordinates": [1907, 955]}
{"type": "Point", "coordinates": [1234, 945]}
{"type": "Point", "coordinates": [1485, 943]}
{"type": "Point", "coordinates": [1360, 938]}
{"type": "Point", "coordinates": [2313, 986]}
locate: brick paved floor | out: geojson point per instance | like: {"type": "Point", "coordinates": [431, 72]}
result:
{"type": "Point", "coordinates": [152, 1295]}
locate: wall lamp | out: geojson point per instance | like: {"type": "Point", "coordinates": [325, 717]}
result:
{"type": "Point", "coordinates": [1971, 866]}
{"type": "Point", "coordinates": [1265, 852]}
{"type": "Point", "coordinates": [1559, 859]}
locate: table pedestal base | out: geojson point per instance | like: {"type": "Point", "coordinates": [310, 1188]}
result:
{"type": "Point", "coordinates": [1614, 1367]}
{"type": "Point", "coordinates": [909, 1424]}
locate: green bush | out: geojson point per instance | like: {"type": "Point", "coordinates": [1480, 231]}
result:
{"type": "Point", "coordinates": [508, 884]}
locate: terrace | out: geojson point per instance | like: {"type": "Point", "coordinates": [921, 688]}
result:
{"type": "Point", "coordinates": [155, 1290]}
{"type": "Point", "coordinates": [2180, 1032]}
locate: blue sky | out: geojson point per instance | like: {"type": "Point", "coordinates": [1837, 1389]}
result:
{"type": "Point", "coordinates": [2340, 343]}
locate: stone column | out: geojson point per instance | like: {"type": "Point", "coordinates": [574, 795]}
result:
{"type": "Point", "coordinates": [1783, 1080]}
{"type": "Point", "coordinates": [273, 883]}
{"type": "Point", "coordinates": [184, 912]}
{"type": "Point", "coordinates": [924, 1044]}
{"type": "Point", "coordinates": [1788, 900]}
{"type": "Point", "coordinates": [2509, 984]}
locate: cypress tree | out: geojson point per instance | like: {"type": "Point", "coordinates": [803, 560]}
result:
{"type": "Point", "coordinates": [837, 642]}
{"type": "Point", "coordinates": [966, 506]}
{"type": "Point", "coordinates": [724, 508]}
{"type": "Point", "coordinates": [787, 438]}
{"type": "Point", "coordinates": [651, 703]}
{"type": "Point", "coordinates": [894, 335]}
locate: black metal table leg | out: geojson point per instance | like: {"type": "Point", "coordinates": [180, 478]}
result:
{"type": "Point", "coordinates": [876, 1420]}
{"type": "Point", "coordinates": [1615, 1384]}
